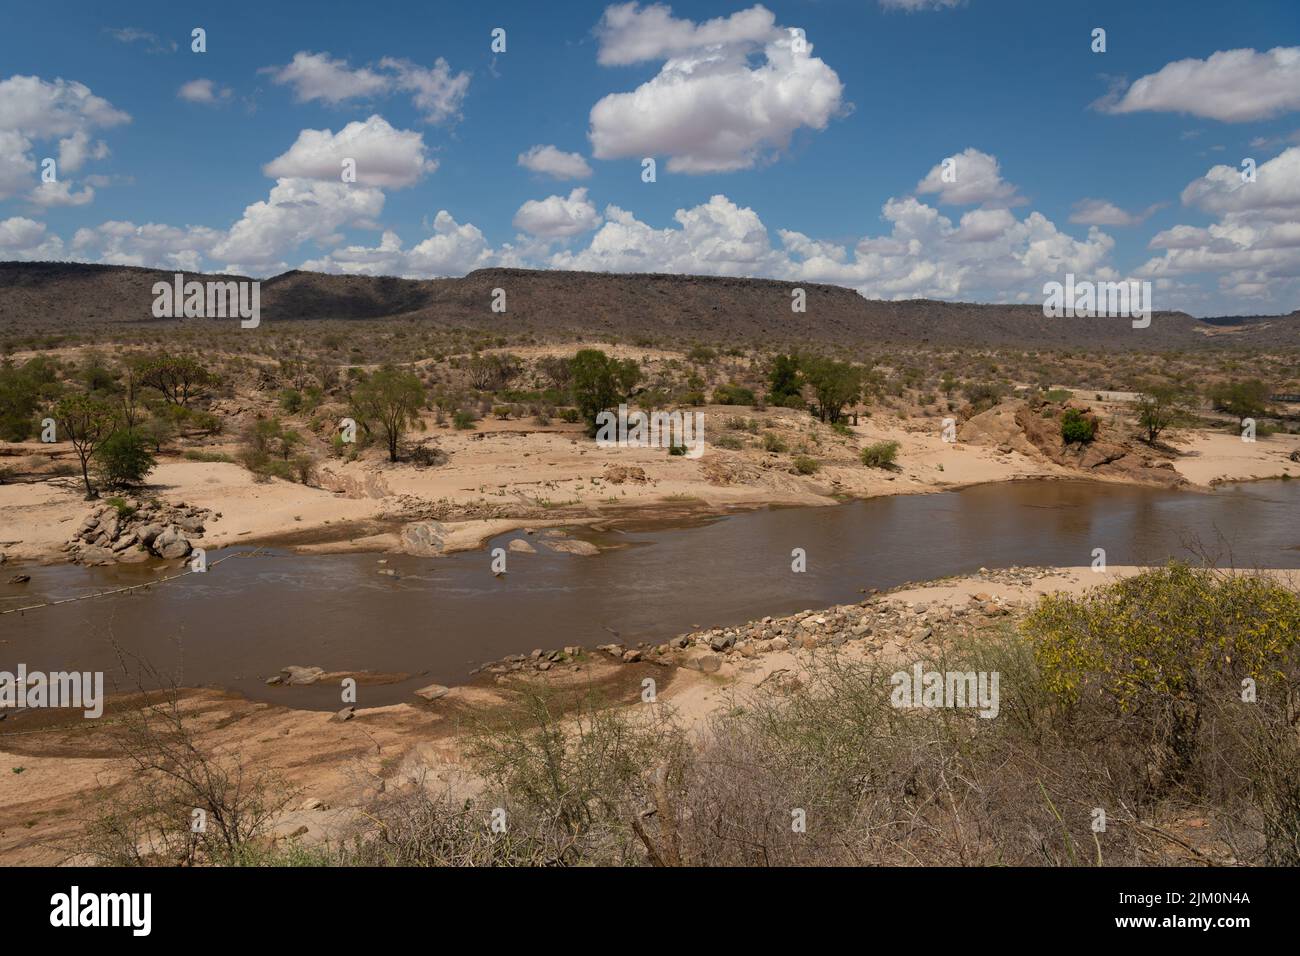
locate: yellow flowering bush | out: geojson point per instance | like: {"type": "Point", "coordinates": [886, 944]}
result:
{"type": "Point", "coordinates": [1173, 632]}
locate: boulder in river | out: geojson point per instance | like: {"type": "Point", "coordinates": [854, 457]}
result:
{"type": "Point", "coordinates": [424, 538]}
{"type": "Point", "coordinates": [293, 674]}
{"type": "Point", "coordinates": [171, 543]}
{"type": "Point", "coordinates": [573, 546]}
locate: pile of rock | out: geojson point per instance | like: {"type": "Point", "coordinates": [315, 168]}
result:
{"type": "Point", "coordinates": [879, 622]}
{"type": "Point", "coordinates": [538, 660]}
{"type": "Point", "coordinates": [136, 530]}
{"type": "Point", "coordinates": [886, 624]}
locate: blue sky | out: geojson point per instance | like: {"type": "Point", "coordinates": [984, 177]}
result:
{"type": "Point", "coordinates": [815, 164]}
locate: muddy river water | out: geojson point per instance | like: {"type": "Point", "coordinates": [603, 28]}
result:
{"type": "Point", "coordinates": [437, 618]}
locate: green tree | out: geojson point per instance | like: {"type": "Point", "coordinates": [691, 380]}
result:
{"type": "Point", "coordinates": [179, 378]}
{"type": "Point", "coordinates": [601, 383]}
{"type": "Point", "coordinates": [835, 385]}
{"type": "Point", "coordinates": [392, 398]}
{"type": "Point", "coordinates": [123, 459]}
{"type": "Point", "coordinates": [86, 422]}
{"type": "Point", "coordinates": [1157, 407]}
{"type": "Point", "coordinates": [1247, 399]}
{"type": "Point", "coordinates": [784, 381]}
{"type": "Point", "coordinates": [22, 391]}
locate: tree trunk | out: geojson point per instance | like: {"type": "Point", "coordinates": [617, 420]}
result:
{"type": "Point", "coordinates": [85, 476]}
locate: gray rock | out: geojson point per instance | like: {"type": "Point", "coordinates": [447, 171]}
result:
{"type": "Point", "coordinates": [191, 523]}
{"type": "Point", "coordinates": [424, 538]}
{"type": "Point", "coordinates": [148, 533]}
{"type": "Point", "coordinates": [702, 661]}
{"type": "Point", "coordinates": [433, 692]}
{"type": "Point", "coordinates": [722, 641]}
{"type": "Point", "coordinates": [171, 544]}
{"type": "Point", "coordinates": [293, 674]}
{"type": "Point", "coordinates": [572, 546]}
{"type": "Point", "coordinates": [124, 542]}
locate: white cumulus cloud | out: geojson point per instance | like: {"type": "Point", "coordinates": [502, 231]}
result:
{"type": "Point", "coordinates": [709, 109]}
{"type": "Point", "coordinates": [204, 91]}
{"type": "Point", "coordinates": [1233, 86]}
{"type": "Point", "coordinates": [385, 157]}
{"type": "Point", "coordinates": [435, 91]}
{"type": "Point", "coordinates": [558, 217]}
{"type": "Point", "coordinates": [553, 162]}
{"type": "Point", "coordinates": [1103, 212]}
{"type": "Point", "coordinates": [971, 177]}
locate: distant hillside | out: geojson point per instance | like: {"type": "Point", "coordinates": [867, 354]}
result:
{"type": "Point", "coordinates": [564, 305]}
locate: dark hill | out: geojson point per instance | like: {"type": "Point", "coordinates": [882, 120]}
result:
{"type": "Point", "coordinates": [46, 295]}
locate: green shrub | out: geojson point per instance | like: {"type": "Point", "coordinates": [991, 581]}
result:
{"type": "Point", "coordinates": [772, 442]}
{"type": "Point", "coordinates": [732, 394]}
{"type": "Point", "coordinates": [1077, 427]}
{"type": "Point", "coordinates": [123, 459]}
{"type": "Point", "coordinates": [198, 454]}
{"type": "Point", "coordinates": [806, 465]}
{"type": "Point", "coordinates": [291, 400]}
{"type": "Point", "coordinates": [880, 454]}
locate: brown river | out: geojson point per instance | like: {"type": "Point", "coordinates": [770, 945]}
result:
{"type": "Point", "coordinates": [438, 618]}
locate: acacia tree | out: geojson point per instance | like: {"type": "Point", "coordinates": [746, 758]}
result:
{"type": "Point", "coordinates": [86, 422]}
{"type": "Point", "coordinates": [835, 384]}
{"type": "Point", "coordinates": [558, 369]}
{"type": "Point", "coordinates": [600, 382]}
{"type": "Point", "coordinates": [1157, 407]}
{"type": "Point", "coordinates": [392, 398]}
{"type": "Point", "coordinates": [178, 377]}
{"type": "Point", "coordinates": [130, 399]}
{"type": "Point", "coordinates": [785, 383]}
{"type": "Point", "coordinates": [1248, 399]}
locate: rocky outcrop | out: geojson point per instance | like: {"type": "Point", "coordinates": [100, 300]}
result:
{"type": "Point", "coordinates": [1034, 430]}
{"type": "Point", "coordinates": [297, 676]}
{"type": "Point", "coordinates": [618, 474]}
{"type": "Point", "coordinates": [883, 623]}
{"type": "Point", "coordinates": [572, 546]}
{"type": "Point", "coordinates": [424, 538]}
{"type": "Point", "coordinates": [136, 530]}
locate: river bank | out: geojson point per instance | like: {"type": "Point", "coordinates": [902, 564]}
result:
{"type": "Point", "coordinates": [508, 476]}
{"type": "Point", "coordinates": [336, 762]}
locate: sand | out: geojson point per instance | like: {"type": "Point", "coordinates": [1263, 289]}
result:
{"type": "Point", "coordinates": [510, 474]}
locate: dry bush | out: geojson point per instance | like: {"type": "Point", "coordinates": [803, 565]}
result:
{"type": "Point", "coordinates": [148, 820]}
